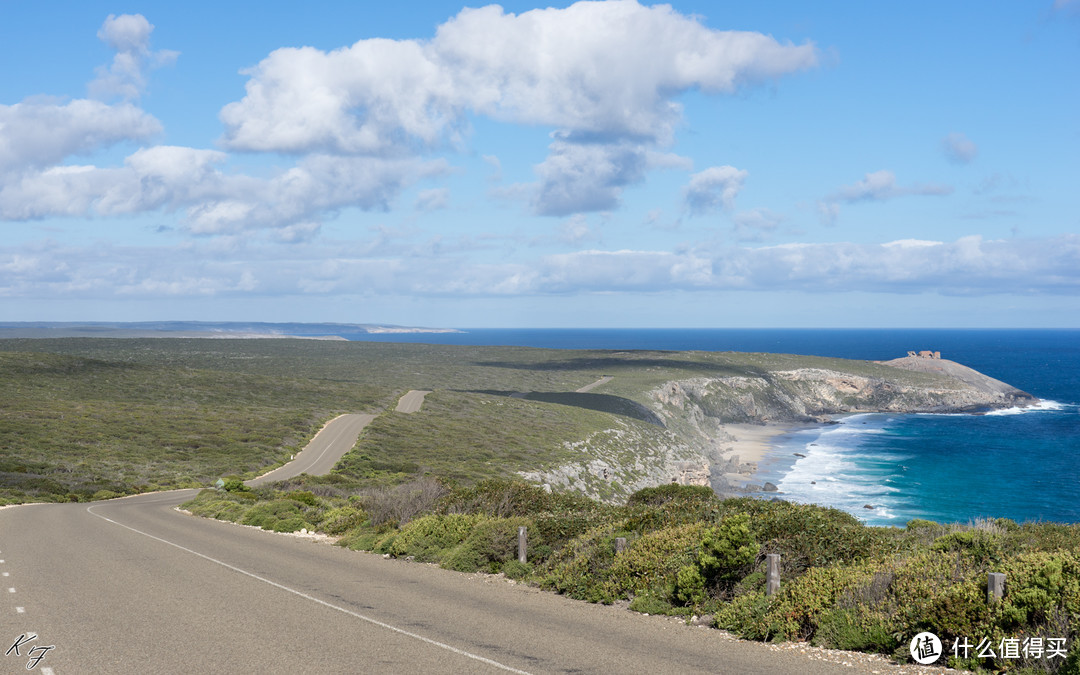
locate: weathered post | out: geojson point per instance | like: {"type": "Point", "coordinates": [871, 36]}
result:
{"type": "Point", "coordinates": [772, 574]}
{"type": "Point", "coordinates": [522, 543]}
{"type": "Point", "coordinates": [995, 587]}
{"type": "Point", "coordinates": [620, 545]}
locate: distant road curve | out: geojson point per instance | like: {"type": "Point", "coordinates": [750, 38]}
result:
{"type": "Point", "coordinates": [323, 451]}
{"type": "Point", "coordinates": [589, 387]}
{"type": "Point", "coordinates": [411, 401]}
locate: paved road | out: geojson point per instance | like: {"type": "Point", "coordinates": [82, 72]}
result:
{"type": "Point", "coordinates": [322, 452]}
{"type": "Point", "coordinates": [411, 401]}
{"type": "Point", "coordinates": [134, 586]}
{"type": "Point", "coordinates": [589, 387]}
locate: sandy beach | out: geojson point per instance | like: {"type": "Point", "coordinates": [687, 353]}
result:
{"type": "Point", "coordinates": [750, 444]}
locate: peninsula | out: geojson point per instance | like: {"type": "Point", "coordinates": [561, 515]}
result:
{"type": "Point", "coordinates": [102, 416]}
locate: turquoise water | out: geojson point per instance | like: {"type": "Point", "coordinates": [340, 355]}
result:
{"type": "Point", "coordinates": [1018, 464]}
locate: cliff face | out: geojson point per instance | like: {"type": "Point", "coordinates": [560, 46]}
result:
{"type": "Point", "coordinates": [812, 394]}
{"type": "Point", "coordinates": [692, 446]}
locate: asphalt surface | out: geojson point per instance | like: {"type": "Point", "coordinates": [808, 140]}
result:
{"type": "Point", "coordinates": [323, 451]}
{"type": "Point", "coordinates": [133, 585]}
{"type": "Point", "coordinates": [411, 401]}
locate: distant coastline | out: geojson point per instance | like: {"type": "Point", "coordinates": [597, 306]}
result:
{"type": "Point", "coordinates": [204, 329]}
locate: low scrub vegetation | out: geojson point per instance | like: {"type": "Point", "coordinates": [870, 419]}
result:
{"type": "Point", "coordinates": [844, 585]}
{"type": "Point", "coordinates": [74, 428]}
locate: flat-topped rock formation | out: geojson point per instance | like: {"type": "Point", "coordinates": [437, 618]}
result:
{"type": "Point", "coordinates": [1008, 395]}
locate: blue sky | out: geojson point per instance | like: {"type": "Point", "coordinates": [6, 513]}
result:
{"type": "Point", "coordinates": [608, 164]}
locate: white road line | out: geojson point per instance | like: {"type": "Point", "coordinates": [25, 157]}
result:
{"type": "Point", "coordinates": [7, 574]}
{"type": "Point", "coordinates": [11, 590]}
{"type": "Point", "coordinates": [376, 622]}
{"type": "Point", "coordinates": [20, 610]}
{"type": "Point", "coordinates": [45, 670]}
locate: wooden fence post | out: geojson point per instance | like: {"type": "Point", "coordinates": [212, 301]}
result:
{"type": "Point", "coordinates": [772, 574]}
{"type": "Point", "coordinates": [620, 545]}
{"type": "Point", "coordinates": [995, 587]}
{"type": "Point", "coordinates": [522, 542]}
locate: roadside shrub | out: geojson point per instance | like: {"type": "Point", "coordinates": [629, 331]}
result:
{"type": "Point", "coordinates": [1040, 584]}
{"type": "Point", "coordinates": [401, 503]}
{"type": "Point", "coordinates": [516, 570]}
{"type": "Point", "coordinates": [728, 550]}
{"type": "Point", "coordinates": [982, 546]}
{"type": "Point", "coordinates": [303, 496]}
{"type": "Point", "coordinates": [294, 524]}
{"type": "Point", "coordinates": [499, 498]}
{"type": "Point", "coordinates": [798, 609]}
{"type": "Point", "coordinates": [579, 569]}
{"type": "Point", "coordinates": [855, 630]}
{"type": "Point", "coordinates": [235, 484]}
{"type": "Point", "coordinates": [652, 562]}
{"type": "Point", "coordinates": [490, 544]}
{"type": "Point", "coordinates": [806, 535]}
{"type": "Point", "coordinates": [427, 538]}
{"type": "Point", "coordinates": [341, 519]}
{"type": "Point", "coordinates": [558, 529]}
{"type": "Point", "coordinates": [105, 494]}
{"type": "Point", "coordinates": [651, 603]}
{"type": "Point", "coordinates": [726, 554]}
{"type": "Point", "coordinates": [267, 514]}
{"type": "Point", "coordinates": [672, 504]}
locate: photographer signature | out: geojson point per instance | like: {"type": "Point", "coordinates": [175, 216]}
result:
{"type": "Point", "coordinates": [34, 654]}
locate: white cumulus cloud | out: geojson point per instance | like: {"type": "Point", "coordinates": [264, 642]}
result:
{"type": "Point", "coordinates": [129, 35]}
{"type": "Point", "coordinates": [605, 75]}
{"type": "Point", "coordinates": [715, 187]}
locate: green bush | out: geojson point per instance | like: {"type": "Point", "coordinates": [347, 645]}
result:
{"type": "Point", "coordinates": [427, 538]}
{"type": "Point", "coordinates": [294, 524]}
{"type": "Point", "coordinates": [580, 568]}
{"type": "Point", "coordinates": [651, 562]}
{"type": "Point", "coordinates": [854, 630]}
{"type": "Point", "coordinates": [651, 603]}
{"type": "Point", "coordinates": [341, 519]}
{"type": "Point", "coordinates": [807, 535]}
{"type": "Point", "coordinates": [267, 514]}
{"type": "Point", "coordinates": [303, 496]}
{"type": "Point", "coordinates": [672, 504]}
{"type": "Point", "coordinates": [726, 553]}
{"type": "Point", "coordinates": [728, 550]}
{"type": "Point", "coordinates": [235, 484]}
{"type": "Point", "coordinates": [1038, 584]}
{"type": "Point", "coordinates": [517, 570]}
{"type": "Point", "coordinates": [490, 545]}
{"type": "Point", "coordinates": [983, 547]}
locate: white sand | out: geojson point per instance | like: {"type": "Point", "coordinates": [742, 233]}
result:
{"type": "Point", "coordinates": [752, 443]}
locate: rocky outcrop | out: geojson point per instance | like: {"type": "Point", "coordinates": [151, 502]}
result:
{"type": "Point", "coordinates": [999, 393]}
{"type": "Point", "coordinates": [814, 394]}
{"type": "Point", "coordinates": [609, 465]}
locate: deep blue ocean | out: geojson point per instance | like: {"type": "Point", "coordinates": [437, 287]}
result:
{"type": "Point", "coordinates": [1018, 464]}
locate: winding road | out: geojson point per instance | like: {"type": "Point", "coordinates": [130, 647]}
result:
{"type": "Point", "coordinates": [134, 586]}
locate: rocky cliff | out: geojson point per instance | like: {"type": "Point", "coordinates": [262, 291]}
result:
{"type": "Point", "coordinates": [814, 394]}
{"type": "Point", "coordinates": [690, 444]}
